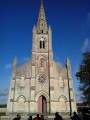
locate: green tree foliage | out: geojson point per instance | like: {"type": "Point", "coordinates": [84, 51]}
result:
{"type": "Point", "coordinates": [83, 76]}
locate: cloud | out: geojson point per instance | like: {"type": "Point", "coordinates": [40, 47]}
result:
{"type": "Point", "coordinates": [86, 45]}
{"type": "Point", "coordinates": [8, 66]}
{"type": "Point", "coordinates": [3, 95]}
{"type": "Point", "coordinates": [3, 92]}
{"type": "Point", "coordinates": [3, 100]}
{"type": "Point", "coordinates": [78, 96]}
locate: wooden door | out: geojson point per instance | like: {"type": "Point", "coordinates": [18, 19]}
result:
{"type": "Point", "coordinates": [42, 104]}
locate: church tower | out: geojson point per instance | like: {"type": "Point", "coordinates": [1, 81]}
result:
{"type": "Point", "coordinates": [42, 58]}
{"type": "Point", "coordinates": [41, 85]}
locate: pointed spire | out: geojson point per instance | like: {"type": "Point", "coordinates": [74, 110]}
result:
{"type": "Point", "coordinates": [14, 67]}
{"type": "Point", "coordinates": [68, 66]}
{"type": "Point", "coordinates": [41, 24]}
{"type": "Point", "coordinates": [50, 28]}
{"type": "Point", "coordinates": [68, 62]}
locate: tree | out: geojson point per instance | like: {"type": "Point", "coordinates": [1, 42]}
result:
{"type": "Point", "coordinates": [83, 75]}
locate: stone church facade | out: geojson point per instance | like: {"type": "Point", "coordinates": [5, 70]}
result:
{"type": "Point", "coordinates": [41, 85]}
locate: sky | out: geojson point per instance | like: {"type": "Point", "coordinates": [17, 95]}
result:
{"type": "Point", "coordinates": [70, 23]}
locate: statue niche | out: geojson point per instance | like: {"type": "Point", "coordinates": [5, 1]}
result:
{"type": "Point", "coordinates": [22, 81]}
{"type": "Point", "coordinates": [42, 62]}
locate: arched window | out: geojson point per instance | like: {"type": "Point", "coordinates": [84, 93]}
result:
{"type": "Point", "coordinates": [42, 43]}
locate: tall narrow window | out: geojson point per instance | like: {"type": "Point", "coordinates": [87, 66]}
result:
{"type": "Point", "coordinates": [43, 44]}
{"type": "Point", "coordinates": [42, 31]}
{"type": "Point", "coordinates": [40, 44]}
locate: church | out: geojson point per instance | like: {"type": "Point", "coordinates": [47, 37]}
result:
{"type": "Point", "coordinates": [41, 85]}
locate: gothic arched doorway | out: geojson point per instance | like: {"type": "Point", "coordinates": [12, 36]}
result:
{"type": "Point", "coordinates": [42, 104]}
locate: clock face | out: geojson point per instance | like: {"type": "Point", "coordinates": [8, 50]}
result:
{"type": "Point", "coordinates": [42, 78]}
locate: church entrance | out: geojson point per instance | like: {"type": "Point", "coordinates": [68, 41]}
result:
{"type": "Point", "coordinates": [42, 104]}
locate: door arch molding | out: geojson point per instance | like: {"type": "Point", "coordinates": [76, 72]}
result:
{"type": "Point", "coordinates": [42, 93]}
